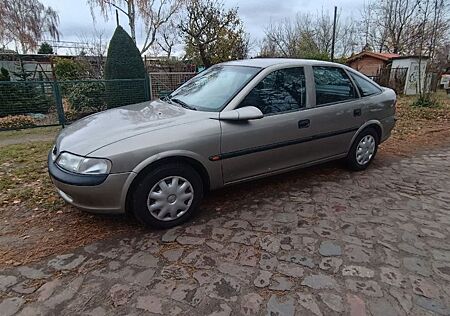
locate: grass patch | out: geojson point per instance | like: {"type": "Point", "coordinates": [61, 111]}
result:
{"type": "Point", "coordinates": [426, 101]}
{"type": "Point", "coordinates": [413, 120]}
{"type": "Point", "coordinates": [41, 131]}
{"type": "Point", "coordinates": [24, 178]}
{"type": "Point", "coordinates": [36, 222]}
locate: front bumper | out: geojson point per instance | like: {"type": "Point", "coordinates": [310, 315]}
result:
{"type": "Point", "coordinates": [93, 193]}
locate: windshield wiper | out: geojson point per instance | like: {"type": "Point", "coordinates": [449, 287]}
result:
{"type": "Point", "coordinates": [183, 104]}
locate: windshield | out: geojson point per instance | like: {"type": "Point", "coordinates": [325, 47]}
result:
{"type": "Point", "coordinates": [212, 89]}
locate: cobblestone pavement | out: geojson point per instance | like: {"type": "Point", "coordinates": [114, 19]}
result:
{"type": "Point", "coordinates": [370, 243]}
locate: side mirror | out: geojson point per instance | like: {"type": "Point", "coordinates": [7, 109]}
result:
{"type": "Point", "coordinates": [242, 114]}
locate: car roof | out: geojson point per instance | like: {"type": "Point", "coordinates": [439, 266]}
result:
{"type": "Point", "coordinates": [267, 62]}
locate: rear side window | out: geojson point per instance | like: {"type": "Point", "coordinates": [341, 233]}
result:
{"type": "Point", "coordinates": [365, 87]}
{"type": "Point", "coordinates": [332, 85]}
{"type": "Point", "coordinates": [281, 91]}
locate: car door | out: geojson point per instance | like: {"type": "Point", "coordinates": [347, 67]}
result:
{"type": "Point", "coordinates": [373, 106]}
{"type": "Point", "coordinates": [276, 141]}
{"type": "Point", "coordinates": [337, 114]}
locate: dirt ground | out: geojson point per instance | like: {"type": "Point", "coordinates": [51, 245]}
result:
{"type": "Point", "coordinates": [36, 223]}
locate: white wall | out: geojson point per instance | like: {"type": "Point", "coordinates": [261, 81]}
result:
{"type": "Point", "coordinates": [412, 76]}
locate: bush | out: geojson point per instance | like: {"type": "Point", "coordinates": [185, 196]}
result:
{"type": "Point", "coordinates": [45, 48]}
{"type": "Point", "coordinates": [4, 75]}
{"type": "Point", "coordinates": [69, 69]}
{"type": "Point", "coordinates": [22, 98]}
{"type": "Point", "coordinates": [426, 101]}
{"type": "Point", "coordinates": [16, 122]}
{"type": "Point", "coordinates": [86, 96]}
{"type": "Point", "coordinates": [124, 61]}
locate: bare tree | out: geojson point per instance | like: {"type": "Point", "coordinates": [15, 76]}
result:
{"type": "Point", "coordinates": [156, 15]}
{"type": "Point", "coordinates": [309, 36]}
{"type": "Point", "coordinates": [95, 43]}
{"type": "Point", "coordinates": [349, 38]}
{"type": "Point", "coordinates": [439, 27]}
{"type": "Point", "coordinates": [126, 7]}
{"type": "Point", "coordinates": [153, 13]}
{"type": "Point", "coordinates": [27, 22]}
{"type": "Point", "coordinates": [169, 37]}
{"type": "Point", "coordinates": [213, 33]}
{"type": "Point", "coordinates": [387, 24]}
{"type": "Point", "coordinates": [5, 35]}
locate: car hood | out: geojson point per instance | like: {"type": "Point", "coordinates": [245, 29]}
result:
{"type": "Point", "coordinates": [104, 128]}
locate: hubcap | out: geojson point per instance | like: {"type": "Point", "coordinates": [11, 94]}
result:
{"type": "Point", "coordinates": [170, 198]}
{"type": "Point", "coordinates": [365, 149]}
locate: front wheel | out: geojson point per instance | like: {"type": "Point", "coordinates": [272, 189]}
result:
{"type": "Point", "coordinates": [363, 150]}
{"type": "Point", "coordinates": [168, 195]}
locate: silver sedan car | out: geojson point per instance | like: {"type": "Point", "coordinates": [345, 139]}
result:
{"type": "Point", "coordinates": [234, 122]}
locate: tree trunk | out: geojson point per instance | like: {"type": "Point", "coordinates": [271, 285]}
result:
{"type": "Point", "coordinates": [132, 19]}
{"type": "Point", "coordinates": [205, 60]}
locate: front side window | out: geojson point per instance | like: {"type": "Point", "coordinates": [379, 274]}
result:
{"type": "Point", "coordinates": [212, 89]}
{"type": "Point", "coordinates": [332, 85]}
{"type": "Point", "coordinates": [281, 91]}
{"type": "Point", "coordinates": [365, 87]}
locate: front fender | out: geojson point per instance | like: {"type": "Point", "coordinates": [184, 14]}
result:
{"type": "Point", "coordinates": [168, 154]}
{"type": "Point", "coordinates": [213, 169]}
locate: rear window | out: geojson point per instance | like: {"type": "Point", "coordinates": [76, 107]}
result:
{"type": "Point", "coordinates": [365, 87]}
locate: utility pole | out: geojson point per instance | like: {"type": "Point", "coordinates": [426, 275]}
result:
{"type": "Point", "coordinates": [117, 18]}
{"type": "Point", "coordinates": [334, 34]}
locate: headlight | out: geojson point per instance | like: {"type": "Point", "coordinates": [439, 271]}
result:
{"type": "Point", "coordinates": [83, 165]}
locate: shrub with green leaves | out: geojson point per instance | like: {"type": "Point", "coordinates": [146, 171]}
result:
{"type": "Point", "coordinates": [426, 101]}
{"type": "Point", "coordinates": [69, 69]}
{"type": "Point", "coordinates": [124, 61]}
{"type": "Point", "coordinates": [23, 98]}
{"type": "Point", "coordinates": [45, 48]}
{"type": "Point", "coordinates": [87, 96]}
{"type": "Point", "coordinates": [4, 75]}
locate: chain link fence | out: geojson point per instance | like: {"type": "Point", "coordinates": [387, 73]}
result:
{"type": "Point", "coordinates": [163, 83]}
{"type": "Point", "coordinates": [26, 104]}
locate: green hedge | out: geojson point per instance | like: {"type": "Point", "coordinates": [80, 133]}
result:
{"type": "Point", "coordinates": [23, 98]}
{"type": "Point", "coordinates": [124, 61]}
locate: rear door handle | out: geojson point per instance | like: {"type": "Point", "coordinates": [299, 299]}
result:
{"type": "Point", "coordinates": [303, 124]}
{"type": "Point", "coordinates": [357, 112]}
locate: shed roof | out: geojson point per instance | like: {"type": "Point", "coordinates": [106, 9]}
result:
{"type": "Point", "coordinates": [382, 56]}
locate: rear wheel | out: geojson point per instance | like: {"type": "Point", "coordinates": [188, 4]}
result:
{"type": "Point", "coordinates": [168, 195]}
{"type": "Point", "coordinates": [363, 150]}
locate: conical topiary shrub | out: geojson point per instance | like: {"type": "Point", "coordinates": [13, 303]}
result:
{"type": "Point", "coordinates": [124, 61]}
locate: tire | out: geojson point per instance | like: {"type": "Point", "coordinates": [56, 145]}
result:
{"type": "Point", "coordinates": [146, 209]}
{"type": "Point", "coordinates": [360, 164]}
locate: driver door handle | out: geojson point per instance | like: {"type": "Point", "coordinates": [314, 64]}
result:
{"type": "Point", "coordinates": [303, 124]}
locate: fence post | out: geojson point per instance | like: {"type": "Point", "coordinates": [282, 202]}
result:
{"type": "Point", "coordinates": [146, 95]}
{"type": "Point", "coordinates": [58, 103]}
{"type": "Point", "coordinates": [148, 87]}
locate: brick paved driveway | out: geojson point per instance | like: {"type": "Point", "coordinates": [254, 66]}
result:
{"type": "Point", "coordinates": [372, 243]}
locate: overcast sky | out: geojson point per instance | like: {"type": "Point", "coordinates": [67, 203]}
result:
{"type": "Point", "coordinates": [76, 19]}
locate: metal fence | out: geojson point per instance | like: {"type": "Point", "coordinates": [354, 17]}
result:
{"type": "Point", "coordinates": [394, 78]}
{"type": "Point", "coordinates": [162, 83]}
{"type": "Point", "coordinates": [44, 103]}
